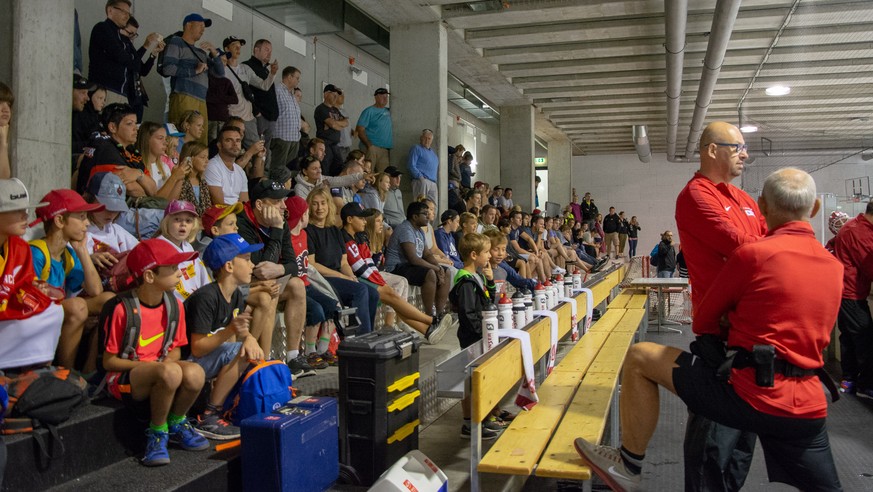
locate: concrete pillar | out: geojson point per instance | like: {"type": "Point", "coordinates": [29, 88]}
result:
{"type": "Point", "coordinates": [419, 83]}
{"type": "Point", "coordinates": [560, 155]}
{"type": "Point", "coordinates": [517, 153]}
{"type": "Point", "coordinates": [42, 80]}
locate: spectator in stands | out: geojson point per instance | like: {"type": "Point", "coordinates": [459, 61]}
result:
{"type": "Point", "coordinates": [361, 262]}
{"type": "Point", "coordinates": [6, 101]}
{"type": "Point", "coordinates": [456, 157]}
{"type": "Point", "coordinates": [106, 240]}
{"type": "Point", "coordinates": [468, 223]}
{"type": "Point", "coordinates": [192, 186]}
{"type": "Point", "coordinates": [610, 232]}
{"type": "Point", "coordinates": [765, 293]}
{"type": "Point", "coordinates": [502, 270]}
{"type": "Point", "coordinates": [374, 128]}
{"type": "Point", "coordinates": [265, 100]}
{"type": "Point", "coordinates": [305, 130]}
{"type": "Point", "coordinates": [285, 144]}
{"type": "Point", "coordinates": [553, 242]}
{"type": "Point", "coordinates": [513, 258]}
{"type": "Point", "coordinates": [328, 123]}
{"type": "Point", "coordinates": [515, 240]}
{"type": "Point", "coordinates": [537, 181]}
{"type": "Point", "coordinates": [226, 180]}
{"type": "Point", "coordinates": [505, 200]}
{"type": "Point", "coordinates": [599, 234]}
{"type": "Point", "coordinates": [186, 65]}
{"type": "Point", "coordinates": [219, 323]}
{"type": "Point", "coordinates": [244, 79]}
{"type": "Point", "coordinates": [180, 227]}
{"type": "Point", "coordinates": [310, 177]}
{"type": "Point", "coordinates": [151, 141]}
{"type": "Point", "coordinates": [153, 381]}
{"type": "Point", "coordinates": [117, 153]}
{"type": "Point", "coordinates": [584, 257]}
{"type": "Point", "coordinates": [394, 209]}
{"type": "Point", "coordinates": [86, 123]}
{"type": "Point", "coordinates": [114, 63]}
{"type": "Point", "coordinates": [633, 229]}
{"type": "Point", "coordinates": [666, 256]}
{"type": "Point", "coordinates": [430, 237]}
{"type": "Point", "coordinates": [623, 227]}
{"type": "Point", "coordinates": [262, 221]}
{"type": "Point", "coordinates": [575, 208]}
{"type": "Point", "coordinates": [250, 159]}
{"type": "Point", "coordinates": [589, 211]}
{"type": "Point", "coordinates": [407, 256]}
{"type": "Point", "coordinates": [450, 222]}
{"type": "Point", "coordinates": [423, 163]}
{"type": "Point", "coordinates": [82, 130]}
{"type": "Point", "coordinates": [467, 173]}
{"type": "Point", "coordinates": [192, 124]}
{"type": "Point", "coordinates": [137, 96]}
{"type": "Point", "coordinates": [345, 143]}
{"type": "Point", "coordinates": [536, 240]}
{"type": "Point", "coordinates": [471, 293]}
{"type": "Point", "coordinates": [349, 193]}
{"type": "Point", "coordinates": [714, 218]}
{"type": "Point", "coordinates": [854, 248]}
{"type": "Point", "coordinates": [331, 262]}
{"type": "Point", "coordinates": [488, 218]}
{"type": "Point", "coordinates": [374, 196]}
{"type": "Point", "coordinates": [495, 199]}
{"type": "Point", "coordinates": [220, 96]}
{"type": "Point", "coordinates": [62, 260]}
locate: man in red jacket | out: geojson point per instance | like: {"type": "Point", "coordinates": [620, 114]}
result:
{"type": "Point", "coordinates": [778, 325]}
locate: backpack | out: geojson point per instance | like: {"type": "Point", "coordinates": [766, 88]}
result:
{"type": "Point", "coordinates": [66, 258]}
{"type": "Point", "coordinates": [42, 398]}
{"type": "Point", "coordinates": [160, 63]}
{"type": "Point", "coordinates": [653, 256]}
{"type": "Point", "coordinates": [265, 387]}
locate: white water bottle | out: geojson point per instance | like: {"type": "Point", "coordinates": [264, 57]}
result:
{"type": "Point", "coordinates": [489, 327]}
{"type": "Point", "coordinates": [540, 300]}
{"type": "Point", "coordinates": [549, 294]}
{"type": "Point", "coordinates": [519, 318]}
{"type": "Point", "coordinates": [504, 313]}
{"type": "Point", "coordinates": [577, 279]}
{"type": "Point", "coordinates": [528, 306]}
{"type": "Point", "coordinates": [568, 286]}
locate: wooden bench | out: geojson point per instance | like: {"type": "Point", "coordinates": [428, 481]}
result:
{"type": "Point", "coordinates": [500, 371]}
{"type": "Point", "coordinates": [576, 396]}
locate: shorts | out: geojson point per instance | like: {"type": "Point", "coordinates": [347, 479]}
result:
{"type": "Point", "coordinates": [797, 451]}
{"type": "Point", "coordinates": [415, 274]}
{"type": "Point", "coordinates": [212, 362]}
{"type": "Point", "coordinates": [118, 385]}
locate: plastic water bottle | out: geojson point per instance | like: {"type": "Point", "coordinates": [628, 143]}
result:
{"type": "Point", "coordinates": [568, 286]}
{"type": "Point", "coordinates": [489, 327]}
{"type": "Point", "coordinates": [540, 300]}
{"type": "Point", "coordinates": [519, 318]}
{"type": "Point", "coordinates": [504, 313]}
{"type": "Point", "coordinates": [550, 294]}
{"type": "Point", "coordinates": [528, 305]}
{"type": "Point", "coordinates": [577, 279]}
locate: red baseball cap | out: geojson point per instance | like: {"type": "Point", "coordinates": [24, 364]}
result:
{"type": "Point", "coordinates": [63, 201]}
{"type": "Point", "coordinates": [213, 214]}
{"type": "Point", "coordinates": [153, 253]}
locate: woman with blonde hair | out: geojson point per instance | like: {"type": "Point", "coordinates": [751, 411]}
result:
{"type": "Point", "coordinates": [192, 187]}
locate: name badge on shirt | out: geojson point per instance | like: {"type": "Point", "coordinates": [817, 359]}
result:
{"type": "Point", "coordinates": [749, 211]}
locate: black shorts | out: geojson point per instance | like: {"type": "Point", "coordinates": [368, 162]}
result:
{"type": "Point", "coordinates": [141, 409]}
{"type": "Point", "coordinates": [415, 274]}
{"type": "Point", "coordinates": [797, 451]}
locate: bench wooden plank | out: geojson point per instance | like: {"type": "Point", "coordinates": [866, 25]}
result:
{"type": "Point", "coordinates": [585, 417]}
{"type": "Point", "coordinates": [607, 321]}
{"type": "Point", "coordinates": [631, 320]}
{"type": "Point", "coordinates": [612, 354]}
{"type": "Point", "coordinates": [620, 301]}
{"type": "Point", "coordinates": [580, 357]}
{"type": "Point", "coordinates": [638, 301]}
{"type": "Point", "coordinates": [494, 378]}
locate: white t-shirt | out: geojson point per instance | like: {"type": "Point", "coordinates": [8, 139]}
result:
{"type": "Point", "coordinates": [232, 182]}
{"type": "Point", "coordinates": [194, 273]}
{"type": "Point", "coordinates": [112, 236]}
{"type": "Point", "coordinates": [155, 172]}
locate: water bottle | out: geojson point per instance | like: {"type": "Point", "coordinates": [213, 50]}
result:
{"type": "Point", "coordinates": [528, 305]}
{"type": "Point", "coordinates": [504, 313]}
{"type": "Point", "coordinates": [489, 327]}
{"type": "Point", "coordinates": [550, 294]}
{"type": "Point", "coordinates": [540, 300]}
{"type": "Point", "coordinates": [568, 286]}
{"type": "Point", "coordinates": [519, 318]}
{"type": "Point", "coordinates": [577, 279]}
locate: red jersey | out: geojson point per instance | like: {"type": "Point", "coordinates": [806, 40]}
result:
{"type": "Point", "coordinates": [19, 298]}
{"type": "Point", "coordinates": [783, 290]}
{"type": "Point", "coordinates": [301, 249]}
{"type": "Point", "coordinates": [853, 246]}
{"type": "Point", "coordinates": [713, 220]}
{"type": "Point", "coordinates": [361, 260]}
{"type": "Point", "coordinates": [151, 338]}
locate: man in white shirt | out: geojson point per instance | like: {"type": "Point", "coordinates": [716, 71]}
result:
{"type": "Point", "coordinates": [226, 180]}
{"type": "Point", "coordinates": [240, 72]}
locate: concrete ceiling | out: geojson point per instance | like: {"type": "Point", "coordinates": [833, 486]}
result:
{"type": "Point", "coordinates": [595, 68]}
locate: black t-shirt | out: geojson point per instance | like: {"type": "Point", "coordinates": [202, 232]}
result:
{"type": "Point", "coordinates": [102, 154]}
{"type": "Point", "coordinates": [207, 311]}
{"type": "Point", "coordinates": [327, 245]}
{"type": "Point", "coordinates": [329, 135]}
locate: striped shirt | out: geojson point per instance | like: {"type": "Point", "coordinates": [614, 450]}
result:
{"type": "Point", "coordinates": [180, 63]}
{"type": "Point", "coordinates": [288, 123]}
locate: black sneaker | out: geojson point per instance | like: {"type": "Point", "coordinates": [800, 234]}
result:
{"type": "Point", "coordinates": [438, 329]}
{"type": "Point", "coordinates": [487, 434]}
{"type": "Point", "coordinates": [299, 367]}
{"type": "Point", "coordinates": [315, 361]}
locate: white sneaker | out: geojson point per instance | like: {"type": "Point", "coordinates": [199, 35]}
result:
{"type": "Point", "coordinates": [558, 271]}
{"type": "Point", "coordinates": [436, 332]}
{"type": "Point", "coordinates": [606, 462]}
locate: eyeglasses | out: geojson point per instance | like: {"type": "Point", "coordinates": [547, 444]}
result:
{"type": "Point", "coordinates": [130, 35]}
{"type": "Point", "coordinates": [125, 12]}
{"type": "Point", "coordinates": [737, 147]}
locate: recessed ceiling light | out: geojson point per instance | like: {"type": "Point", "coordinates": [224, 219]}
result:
{"type": "Point", "coordinates": [748, 128]}
{"type": "Point", "coordinates": [777, 90]}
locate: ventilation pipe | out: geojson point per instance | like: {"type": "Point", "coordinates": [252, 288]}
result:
{"type": "Point", "coordinates": [641, 143]}
{"type": "Point", "coordinates": [676, 18]}
{"type": "Point", "coordinates": [719, 36]}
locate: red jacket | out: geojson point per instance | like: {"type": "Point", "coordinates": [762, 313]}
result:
{"type": "Point", "coordinates": [853, 246]}
{"type": "Point", "coordinates": [19, 298]}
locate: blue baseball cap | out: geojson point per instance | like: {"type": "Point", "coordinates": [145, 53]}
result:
{"type": "Point", "coordinates": [196, 18]}
{"type": "Point", "coordinates": [225, 248]}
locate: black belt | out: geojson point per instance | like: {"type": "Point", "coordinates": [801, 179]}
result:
{"type": "Point", "coordinates": [743, 359]}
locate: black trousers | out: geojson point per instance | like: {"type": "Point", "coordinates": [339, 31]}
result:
{"type": "Point", "coordinates": [717, 458]}
{"type": "Point", "coordinates": [333, 162]}
{"type": "Point", "coordinates": [856, 341]}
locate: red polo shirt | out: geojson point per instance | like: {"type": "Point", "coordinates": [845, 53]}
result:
{"type": "Point", "coordinates": [853, 246]}
{"type": "Point", "coordinates": [783, 290]}
{"type": "Point", "coordinates": [713, 220]}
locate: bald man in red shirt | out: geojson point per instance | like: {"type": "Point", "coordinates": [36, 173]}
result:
{"type": "Point", "coordinates": [774, 312]}
{"type": "Point", "coordinates": [714, 218]}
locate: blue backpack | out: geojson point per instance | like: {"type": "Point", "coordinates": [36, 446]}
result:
{"type": "Point", "coordinates": [653, 256]}
{"type": "Point", "coordinates": [265, 387]}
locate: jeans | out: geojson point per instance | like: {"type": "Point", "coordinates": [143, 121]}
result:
{"type": "Point", "coordinates": [357, 295]}
{"type": "Point", "coordinates": [585, 257]}
{"type": "Point", "coordinates": [665, 274]}
{"type": "Point", "coordinates": [319, 306]}
{"type": "Point", "coordinates": [632, 245]}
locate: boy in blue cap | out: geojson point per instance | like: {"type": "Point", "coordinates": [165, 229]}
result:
{"type": "Point", "coordinates": [219, 328]}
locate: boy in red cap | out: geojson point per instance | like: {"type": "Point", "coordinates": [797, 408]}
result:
{"type": "Point", "coordinates": [144, 369]}
{"type": "Point", "coordinates": [61, 259]}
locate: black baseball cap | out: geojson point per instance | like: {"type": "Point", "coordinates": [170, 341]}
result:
{"type": "Point", "coordinates": [80, 82]}
{"type": "Point", "coordinates": [354, 210]}
{"type": "Point", "coordinates": [230, 39]}
{"type": "Point", "coordinates": [330, 88]}
{"type": "Point", "coordinates": [392, 171]}
{"type": "Point", "coordinates": [448, 215]}
{"type": "Point", "coordinates": [381, 90]}
{"type": "Point", "coordinates": [267, 188]}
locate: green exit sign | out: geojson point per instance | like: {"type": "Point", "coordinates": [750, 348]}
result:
{"type": "Point", "coordinates": [539, 160]}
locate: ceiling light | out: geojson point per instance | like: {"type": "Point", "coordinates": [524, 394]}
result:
{"type": "Point", "coordinates": [748, 128]}
{"type": "Point", "coordinates": [777, 90]}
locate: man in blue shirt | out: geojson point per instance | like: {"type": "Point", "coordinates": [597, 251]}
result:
{"type": "Point", "coordinates": [374, 129]}
{"type": "Point", "coordinates": [423, 163]}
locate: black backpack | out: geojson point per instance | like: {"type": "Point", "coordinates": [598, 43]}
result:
{"type": "Point", "coordinates": [160, 63]}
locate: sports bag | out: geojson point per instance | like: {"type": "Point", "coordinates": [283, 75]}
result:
{"type": "Point", "coordinates": [653, 256]}
{"type": "Point", "coordinates": [265, 387]}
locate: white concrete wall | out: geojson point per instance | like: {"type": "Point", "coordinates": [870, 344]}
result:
{"type": "Point", "coordinates": [487, 151]}
{"type": "Point", "coordinates": [649, 190]}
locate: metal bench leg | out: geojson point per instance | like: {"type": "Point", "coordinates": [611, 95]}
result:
{"type": "Point", "coordinates": [586, 486]}
{"type": "Point", "coordinates": [475, 454]}
{"type": "Point", "coordinates": [614, 417]}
